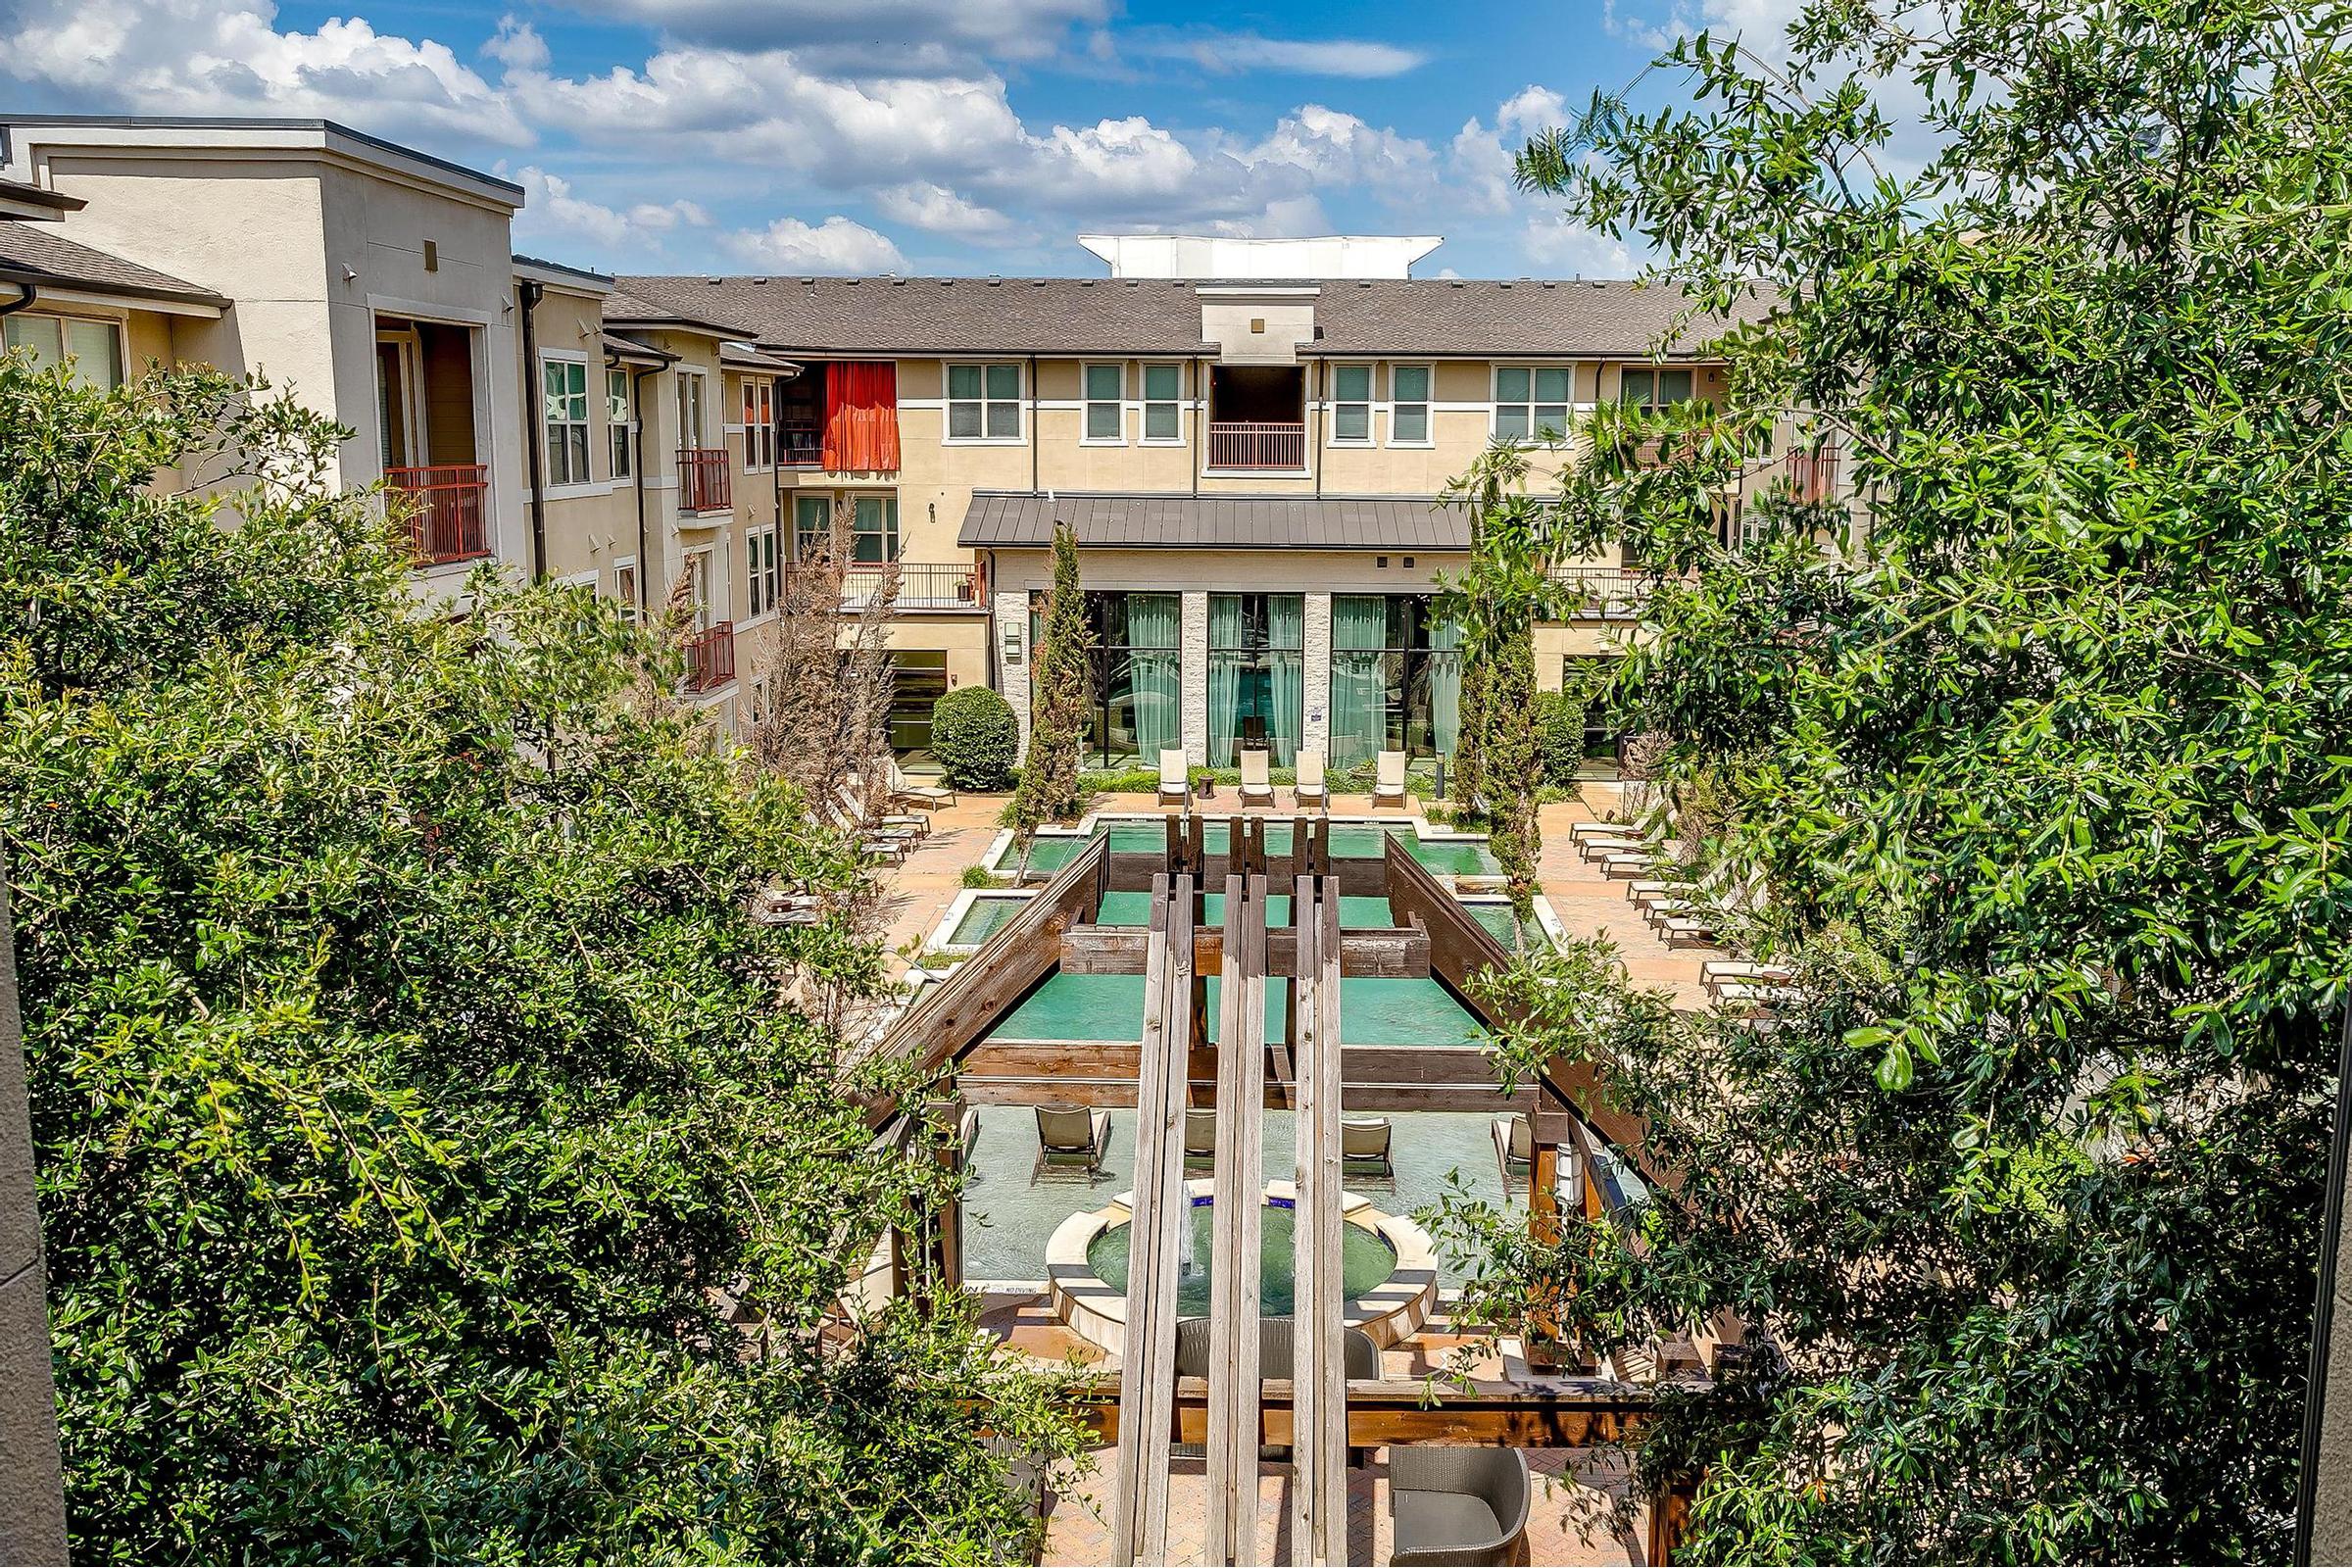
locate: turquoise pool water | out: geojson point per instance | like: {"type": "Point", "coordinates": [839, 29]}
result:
{"type": "Point", "coordinates": [1504, 925]}
{"type": "Point", "coordinates": [1355, 914]}
{"type": "Point", "coordinates": [1372, 1012]}
{"type": "Point", "coordinates": [1352, 841]}
{"type": "Point", "coordinates": [983, 920]}
{"type": "Point", "coordinates": [1364, 1261]}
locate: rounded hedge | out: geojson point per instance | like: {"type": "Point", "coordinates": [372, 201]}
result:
{"type": "Point", "coordinates": [975, 737]}
{"type": "Point", "coordinates": [1560, 735]}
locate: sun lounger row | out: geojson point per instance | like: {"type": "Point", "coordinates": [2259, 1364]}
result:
{"type": "Point", "coordinates": [1310, 791]}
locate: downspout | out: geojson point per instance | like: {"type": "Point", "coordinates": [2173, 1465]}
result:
{"type": "Point", "coordinates": [637, 472]}
{"type": "Point", "coordinates": [530, 292]}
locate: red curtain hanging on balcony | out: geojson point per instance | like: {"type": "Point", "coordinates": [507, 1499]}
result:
{"type": "Point", "coordinates": [861, 418]}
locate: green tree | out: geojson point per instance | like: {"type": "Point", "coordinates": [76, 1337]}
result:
{"type": "Point", "coordinates": [1495, 606]}
{"type": "Point", "coordinates": [1063, 683]}
{"type": "Point", "coordinates": [432, 1164]}
{"type": "Point", "coordinates": [2030, 733]}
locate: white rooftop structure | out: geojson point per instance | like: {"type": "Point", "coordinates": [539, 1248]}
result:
{"type": "Point", "coordinates": [1215, 256]}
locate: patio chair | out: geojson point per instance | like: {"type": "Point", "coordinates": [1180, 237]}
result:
{"type": "Point", "coordinates": [1455, 1505]}
{"type": "Point", "coordinates": [1364, 1142]}
{"type": "Point", "coordinates": [852, 812]}
{"type": "Point", "coordinates": [1257, 786]}
{"type": "Point", "coordinates": [1514, 1144]}
{"type": "Point", "coordinates": [1073, 1133]}
{"type": "Point", "coordinates": [1387, 779]}
{"type": "Point", "coordinates": [922, 797]}
{"type": "Point", "coordinates": [1175, 779]}
{"type": "Point", "coordinates": [1199, 1133]}
{"type": "Point", "coordinates": [1360, 1356]}
{"type": "Point", "coordinates": [1311, 788]}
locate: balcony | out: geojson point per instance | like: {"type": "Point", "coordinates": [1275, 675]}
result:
{"type": "Point", "coordinates": [702, 480]}
{"type": "Point", "coordinates": [1813, 476]}
{"type": "Point", "coordinates": [803, 445]}
{"type": "Point", "coordinates": [710, 657]}
{"type": "Point", "coordinates": [1608, 593]}
{"type": "Point", "coordinates": [921, 585]}
{"type": "Point", "coordinates": [1257, 446]}
{"type": "Point", "coordinates": [445, 510]}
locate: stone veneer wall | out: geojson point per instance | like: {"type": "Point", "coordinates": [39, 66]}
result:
{"type": "Point", "coordinates": [1315, 726]}
{"type": "Point", "coordinates": [1012, 610]}
{"type": "Point", "coordinates": [1194, 677]}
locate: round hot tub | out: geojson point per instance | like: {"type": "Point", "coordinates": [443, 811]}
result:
{"type": "Point", "coordinates": [1387, 1268]}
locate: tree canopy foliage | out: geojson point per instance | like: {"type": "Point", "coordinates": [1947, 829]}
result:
{"type": "Point", "coordinates": [432, 1160]}
{"type": "Point", "coordinates": [2023, 744]}
{"type": "Point", "coordinates": [1061, 672]}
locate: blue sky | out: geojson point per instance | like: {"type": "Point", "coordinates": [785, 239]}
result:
{"type": "Point", "coordinates": [905, 135]}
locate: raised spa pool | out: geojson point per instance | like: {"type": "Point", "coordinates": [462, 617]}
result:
{"type": "Point", "coordinates": [1365, 1260]}
{"type": "Point", "coordinates": [1049, 853]}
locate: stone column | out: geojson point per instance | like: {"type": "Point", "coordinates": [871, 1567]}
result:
{"type": "Point", "coordinates": [1316, 657]}
{"type": "Point", "coordinates": [1013, 679]}
{"type": "Point", "coordinates": [1195, 678]}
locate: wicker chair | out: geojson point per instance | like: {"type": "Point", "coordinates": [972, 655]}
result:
{"type": "Point", "coordinates": [1456, 1506]}
{"type": "Point", "coordinates": [1361, 1356]}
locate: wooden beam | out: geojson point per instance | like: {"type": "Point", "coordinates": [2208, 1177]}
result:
{"type": "Point", "coordinates": [1370, 1067]}
{"type": "Point", "coordinates": [1119, 1093]}
{"type": "Point", "coordinates": [1401, 953]}
{"type": "Point", "coordinates": [1568, 1413]}
{"type": "Point", "coordinates": [1319, 1491]}
{"type": "Point", "coordinates": [1234, 1306]}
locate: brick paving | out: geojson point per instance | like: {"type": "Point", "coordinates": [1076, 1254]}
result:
{"type": "Point", "coordinates": [1567, 1518]}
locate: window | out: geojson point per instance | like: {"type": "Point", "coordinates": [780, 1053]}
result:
{"type": "Point", "coordinates": [625, 585]}
{"type": "Point", "coordinates": [1138, 698]}
{"type": "Point", "coordinates": [759, 424]}
{"type": "Point", "coordinates": [565, 384]}
{"type": "Point", "coordinates": [1164, 410]}
{"type": "Point", "coordinates": [689, 409]}
{"type": "Point", "coordinates": [617, 411]}
{"type": "Point", "coordinates": [1409, 405]}
{"type": "Point", "coordinates": [1352, 405]}
{"type": "Point", "coordinates": [94, 347]}
{"type": "Point", "coordinates": [873, 526]}
{"type": "Point", "coordinates": [1654, 389]}
{"type": "Point", "coordinates": [1256, 676]}
{"type": "Point", "coordinates": [1395, 677]}
{"type": "Point", "coordinates": [768, 581]}
{"type": "Point", "coordinates": [1531, 404]}
{"type": "Point", "coordinates": [1105, 403]}
{"type": "Point", "coordinates": [984, 403]}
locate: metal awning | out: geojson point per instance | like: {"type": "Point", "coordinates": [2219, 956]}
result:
{"type": "Point", "coordinates": [1003, 519]}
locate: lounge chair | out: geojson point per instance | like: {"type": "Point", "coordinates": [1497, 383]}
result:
{"type": "Point", "coordinates": [1514, 1144]}
{"type": "Point", "coordinates": [1311, 788]}
{"type": "Point", "coordinates": [1199, 1133]}
{"type": "Point", "coordinates": [922, 797]}
{"type": "Point", "coordinates": [1359, 1356]}
{"type": "Point", "coordinates": [1073, 1133]}
{"type": "Point", "coordinates": [1451, 1505]}
{"type": "Point", "coordinates": [1175, 779]}
{"type": "Point", "coordinates": [1387, 779]}
{"type": "Point", "coordinates": [1257, 786]}
{"type": "Point", "coordinates": [1364, 1142]}
{"type": "Point", "coordinates": [854, 813]}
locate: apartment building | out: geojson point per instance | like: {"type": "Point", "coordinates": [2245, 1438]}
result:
{"type": "Point", "coordinates": [1251, 465]}
{"type": "Point", "coordinates": [1251, 469]}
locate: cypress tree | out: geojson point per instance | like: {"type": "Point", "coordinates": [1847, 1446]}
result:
{"type": "Point", "coordinates": [1048, 786]}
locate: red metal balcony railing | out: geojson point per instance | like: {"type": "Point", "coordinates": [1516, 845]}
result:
{"type": "Point", "coordinates": [446, 509]}
{"type": "Point", "coordinates": [1241, 445]}
{"type": "Point", "coordinates": [709, 656]}
{"type": "Point", "coordinates": [1610, 593]}
{"type": "Point", "coordinates": [1813, 476]}
{"type": "Point", "coordinates": [703, 484]}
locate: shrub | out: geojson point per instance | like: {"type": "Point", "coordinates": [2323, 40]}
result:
{"type": "Point", "coordinates": [975, 737]}
{"type": "Point", "coordinates": [1560, 735]}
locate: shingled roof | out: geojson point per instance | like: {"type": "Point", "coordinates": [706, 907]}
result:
{"type": "Point", "coordinates": [39, 256]}
{"type": "Point", "coordinates": [1428, 317]}
{"type": "Point", "coordinates": [1022, 519]}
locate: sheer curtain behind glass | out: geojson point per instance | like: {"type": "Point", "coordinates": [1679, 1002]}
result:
{"type": "Point", "coordinates": [1359, 625]}
{"type": "Point", "coordinates": [1155, 627]}
{"type": "Point", "coordinates": [1286, 660]}
{"type": "Point", "coordinates": [1444, 685]}
{"type": "Point", "coordinates": [1226, 657]}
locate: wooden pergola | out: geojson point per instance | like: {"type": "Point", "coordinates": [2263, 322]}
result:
{"type": "Point", "coordinates": [1174, 1067]}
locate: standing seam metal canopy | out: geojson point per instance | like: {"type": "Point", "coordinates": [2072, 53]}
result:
{"type": "Point", "coordinates": [1021, 519]}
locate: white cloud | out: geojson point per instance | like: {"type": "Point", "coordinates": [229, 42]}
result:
{"type": "Point", "coordinates": [517, 45]}
{"type": "Point", "coordinates": [1335, 148]}
{"type": "Point", "coordinates": [1226, 53]}
{"type": "Point", "coordinates": [925, 205]}
{"type": "Point", "coordinates": [226, 57]}
{"type": "Point", "coordinates": [1555, 244]}
{"type": "Point", "coordinates": [836, 245]}
{"type": "Point", "coordinates": [1481, 156]}
{"type": "Point", "coordinates": [552, 207]}
{"type": "Point", "coordinates": [898, 35]}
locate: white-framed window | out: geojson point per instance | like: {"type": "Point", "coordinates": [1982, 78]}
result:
{"type": "Point", "coordinates": [873, 526]}
{"type": "Point", "coordinates": [1531, 401]}
{"type": "Point", "coordinates": [1409, 405]}
{"type": "Point", "coordinates": [767, 572]}
{"type": "Point", "coordinates": [1164, 405]}
{"type": "Point", "coordinates": [702, 611]}
{"type": "Point", "coordinates": [1105, 389]}
{"type": "Point", "coordinates": [564, 383]}
{"type": "Point", "coordinates": [620, 424]}
{"type": "Point", "coordinates": [1352, 405]}
{"type": "Point", "coordinates": [625, 585]}
{"type": "Point", "coordinates": [690, 409]}
{"type": "Point", "coordinates": [94, 349]}
{"type": "Point", "coordinates": [1652, 388]}
{"type": "Point", "coordinates": [984, 402]}
{"type": "Point", "coordinates": [759, 424]}
{"type": "Point", "coordinates": [755, 706]}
